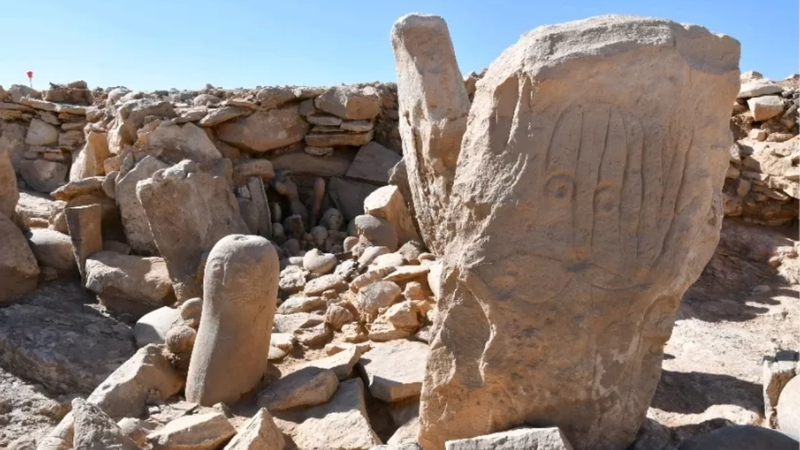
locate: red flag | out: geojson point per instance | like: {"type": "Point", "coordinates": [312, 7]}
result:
{"type": "Point", "coordinates": [30, 74]}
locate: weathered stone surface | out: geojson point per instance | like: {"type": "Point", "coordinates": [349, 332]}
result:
{"type": "Point", "coordinates": [260, 202]}
{"type": "Point", "coordinates": [758, 87]}
{"type": "Point", "coordinates": [152, 327]}
{"type": "Point", "coordinates": [94, 430]}
{"type": "Point", "coordinates": [562, 201]}
{"type": "Point", "coordinates": [134, 218]}
{"type": "Point", "coordinates": [776, 372]}
{"type": "Point", "coordinates": [766, 107]}
{"type": "Point", "coordinates": [41, 134]}
{"type": "Point", "coordinates": [395, 370]}
{"type": "Point", "coordinates": [341, 363]}
{"type": "Point", "coordinates": [240, 291]}
{"type": "Point", "coordinates": [84, 225]}
{"type": "Point", "coordinates": [294, 305]}
{"type": "Point", "coordinates": [189, 211]}
{"type": "Point", "coordinates": [373, 163]}
{"type": "Point", "coordinates": [532, 438]}
{"type": "Point", "coordinates": [340, 424]}
{"type": "Point", "coordinates": [350, 102]}
{"type": "Point", "coordinates": [348, 196]}
{"type": "Point", "coordinates": [127, 283]}
{"type": "Point", "coordinates": [319, 285]}
{"type": "Point", "coordinates": [265, 130]}
{"type": "Point", "coordinates": [9, 195]}
{"type": "Point", "coordinates": [84, 186]}
{"type": "Point", "coordinates": [378, 231]}
{"type": "Point", "coordinates": [259, 433]}
{"type": "Point", "coordinates": [306, 387]}
{"type": "Point", "coordinates": [338, 139]}
{"type": "Point", "coordinates": [52, 249]}
{"type": "Point", "coordinates": [375, 296]}
{"type": "Point", "coordinates": [434, 104]}
{"type": "Point", "coordinates": [319, 263]}
{"type": "Point", "coordinates": [789, 408]}
{"type": "Point", "coordinates": [407, 273]}
{"type": "Point", "coordinates": [196, 432]}
{"type": "Point", "coordinates": [88, 161]}
{"type": "Point", "coordinates": [246, 168]}
{"type": "Point", "coordinates": [82, 346]}
{"type": "Point", "coordinates": [19, 271]}
{"type": "Point", "coordinates": [224, 114]}
{"type": "Point", "coordinates": [146, 376]}
{"type": "Point", "coordinates": [740, 437]}
{"type": "Point", "coordinates": [289, 323]}
{"type": "Point", "coordinates": [173, 143]}
{"type": "Point", "coordinates": [387, 203]}
{"type": "Point", "coordinates": [43, 175]}
{"type": "Point", "coordinates": [322, 166]}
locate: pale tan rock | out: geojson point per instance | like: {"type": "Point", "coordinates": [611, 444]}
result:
{"type": "Point", "coordinates": [350, 102]}
{"type": "Point", "coordinates": [84, 186]}
{"type": "Point", "coordinates": [60, 437]}
{"type": "Point", "coordinates": [94, 430]}
{"type": "Point", "coordinates": [43, 175]}
{"type": "Point", "coordinates": [189, 211]}
{"type": "Point", "coordinates": [134, 218]}
{"type": "Point", "coordinates": [129, 283]}
{"type": "Point", "coordinates": [9, 194]}
{"type": "Point", "coordinates": [407, 273]}
{"type": "Point", "coordinates": [433, 106]}
{"type": "Point", "coordinates": [789, 408]}
{"type": "Point", "coordinates": [19, 271]}
{"type": "Point", "coordinates": [224, 114]}
{"type": "Point", "coordinates": [152, 328]}
{"type": "Point", "coordinates": [776, 372]}
{"type": "Point", "coordinates": [373, 163]}
{"type": "Point", "coordinates": [259, 433]}
{"type": "Point", "coordinates": [84, 224]}
{"type": "Point", "coordinates": [388, 203]}
{"type": "Point", "coordinates": [518, 438]}
{"type": "Point", "coordinates": [562, 201]}
{"type": "Point", "coordinates": [52, 249]}
{"type": "Point", "coordinates": [325, 282]}
{"type": "Point", "coordinates": [765, 107]}
{"type": "Point", "coordinates": [146, 376]}
{"type": "Point", "coordinates": [41, 133]}
{"type": "Point", "coordinates": [395, 370]}
{"type": "Point", "coordinates": [342, 423]}
{"type": "Point", "coordinates": [293, 305]}
{"type": "Point", "coordinates": [173, 143]}
{"type": "Point", "coordinates": [240, 290]}
{"type": "Point", "coordinates": [306, 387]}
{"type": "Point", "coordinates": [338, 139]}
{"type": "Point", "coordinates": [341, 363]}
{"type": "Point", "coordinates": [375, 296]}
{"type": "Point", "coordinates": [264, 130]}
{"type": "Point", "coordinates": [336, 316]}
{"type": "Point", "coordinates": [196, 432]}
{"type": "Point", "coordinates": [378, 231]}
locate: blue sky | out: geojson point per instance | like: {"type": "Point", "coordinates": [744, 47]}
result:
{"type": "Point", "coordinates": [149, 44]}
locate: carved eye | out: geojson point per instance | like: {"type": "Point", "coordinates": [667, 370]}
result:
{"type": "Point", "coordinates": [560, 187]}
{"type": "Point", "coordinates": [605, 200]}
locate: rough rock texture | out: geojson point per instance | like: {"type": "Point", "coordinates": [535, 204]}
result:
{"type": "Point", "coordinates": [259, 433]}
{"type": "Point", "coordinates": [173, 143]}
{"type": "Point", "coordinates": [306, 387]}
{"type": "Point", "coordinates": [520, 438]}
{"type": "Point", "coordinates": [789, 409]}
{"type": "Point", "coordinates": [19, 271]}
{"type": "Point", "coordinates": [53, 249]}
{"type": "Point", "coordinates": [82, 346]}
{"type": "Point", "coordinates": [94, 430]}
{"type": "Point", "coordinates": [373, 163]}
{"type": "Point", "coordinates": [240, 293]}
{"type": "Point", "coordinates": [43, 175]}
{"type": "Point", "coordinates": [340, 424]}
{"type": "Point", "coordinates": [134, 218]}
{"type": "Point", "coordinates": [152, 328]}
{"type": "Point", "coordinates": [776, 372]}
{"type": "Point", "coordinates": [388, 203]}
{"type": "Point", "coordinates": [394, 371]}
{"type": "Point", "coordinates": [265, 130]}
{"type": "Point", "coordinates": [128, 283]}
{"type": "Point", "coordinates": [9, 194]}
{"type": "Point", "coordinates": [554, 147]}
{"type": "Point", "coordinates": [146, 377]}
{"type": "Point", "coordinates": [433, 118]}
{"type": "Point", "coordinates": [197, 432]}
{"type": "Point", "coordinates": [84, 225]}
{"type": "Point", "coordinates": [189, 211]}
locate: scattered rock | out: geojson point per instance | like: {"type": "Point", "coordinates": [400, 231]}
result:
{"type": "Point", "coordinates": [378, 231]}
{"type": "Point", "coordinates": [152, 328]}
{"type": "Point", "coordinates": [373, 297]}
{"type": "Point", "coordinates": [197, 432]}
{"type": "Point", "coordinates": [326, 282]}
{"type": "Point", "coordinates": [766, 107]}
{"type": "Point", "coordinates": [43, 175]}
{"type": "Point", "coordinates": [173, 143]}
{"type": "Point", "coordinates": [350, 102]}
{"type": "Point", "coordinates": [19, 271]}
{"type": "Point", "coordinates": [341, 363]}
{"type": "Point", "coordinates": [52, 249]}
{"type": "Point", "coordinates": [94, 430]}
{"type": "Point", "coordinates": [305, 387]}
{"type": "Point", "coordinates": [394, 371]}
{"type": "Point", "coordinates": [258, 433]}
{"type": "Point", "coordinates": [789, 408]}
{"type": "Point", "coordinates": [387, 203]}
{"type": "Point", "coordinates": [319, 263]}
{"type": "Point", "coordinates": [294, 305]}
{"type": "Point", "coordinates": [519, 438]}
{"type": "Point", "coordinates": [134, 218]}
{"type": "Point", "coordinates": [128, 283]}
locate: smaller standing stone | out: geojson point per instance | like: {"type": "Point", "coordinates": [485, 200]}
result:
{"type": "Point", "coordinates": [84, 224]}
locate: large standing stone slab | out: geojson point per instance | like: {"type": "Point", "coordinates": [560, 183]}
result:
{"type": "Point", "coordinates": [433, 105]}
{"type": "Point", "coordinates": [134, 219]}
{"type": "Point", "coordinates": [587, 199]}
{"type": "Point", "coordinates": [84, 224]}
{"type": "Point", "coordinates": [189, 211]}
{"type": "Point", "coordinates": [240, 294]}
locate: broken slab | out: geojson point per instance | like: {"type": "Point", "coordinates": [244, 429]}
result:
{"type": "Point", "coordinates": [134, 218]}
{"type": "Point", "coordinates": [259, 433]}
{"type": "Point", "coordinates": [395, 370]}
{"type": "Point", "coordinates": [197, 432]}
{"type": "Point", "coordinates": [516, 439]}
{"type": "Point", "coordinates": [306, 387]}
{"type": "Point", "coordinates": [373, 163]}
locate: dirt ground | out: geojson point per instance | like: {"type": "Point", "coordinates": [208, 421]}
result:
{"type": "Point", "coordinates": [739, 311]}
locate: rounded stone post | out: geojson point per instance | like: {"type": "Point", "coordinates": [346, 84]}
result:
{"type": "Point", "coordinates": [240, 290]}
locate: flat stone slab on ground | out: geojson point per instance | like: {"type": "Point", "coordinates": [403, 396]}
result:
{"type": "Point", "coordinates": [395, 370]}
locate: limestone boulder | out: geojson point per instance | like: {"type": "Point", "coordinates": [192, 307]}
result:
{"type": "Point", "coordinates": [152, 327]}
{"type": "Point", "coordinates": [765, 107]}
{"type": "Point", "coordinates": [306, 387]}
{"type": "Point", "coordinates": [146, 377]}
{"type": "Point", "coordinates": [373, 163]}
{"type": "Point", "coordinates": [94, 430]}
{"type": "Point", "coordinates": [348, 196]}
{"type": "Point", "coordinates": [88, 161]}
{"type": "Point", "coordinates": [52, 249]}
{"type": "Point", "coordinates": [134, 218]}
{"type": "Point", "coordinates": [224, 114]}
{"type": "Point", "coordinates": [173, 143]}
{"type": "Point", "coordinates": [757, 87]}
{"type": "Point", "coordinates": [394, 371]}
{"type": "Point", "coordinates": [553, 207]}
{"type": "Point", "coordinates": [43, 175]}
{"type": "Point", "coordinates": [189, 211]}
{"type": "Point", "coordinates": [334, 165]}
{"type": "Point", "coordinates": [350, 102]}
{"type": "Point", "coordinates": [207, 431]}
{"type": "Point", "coordinates": [387, 203]}
{"type": "Point", "coordinates": [41, 134]}
{"type": "Point", "coordinates": [341, 423]}
{"type": "Point", "coordinates": [341, 363]}
{"type": "Point", "coordinates": [379, 231]}
{"type": "Point", "coordinates": [434, 102]}
{"type": "Point", "coordinates": [19, 271]}
{"type": "Point", "coordinates": [264, 130]}
{"type": "Point", "coordinates": [127, 283]}
{"type": "Point", "coordinates": [9, 194]}
{"type": "Point", "coordinates": [259, 433]}
{"type": "Point", "coordinates": [376, 296]}
{"type": "Point", "coordinates": [319, 263]}
{"type": "Point", "coordinates": [533, 438]}
{"type": "Point", "coordinates": [789, 408]}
